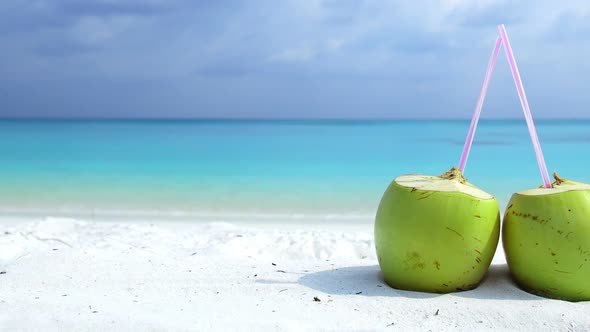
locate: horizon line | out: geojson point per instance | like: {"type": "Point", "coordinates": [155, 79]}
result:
{"type": "Point", "coordinates": [259, 119]}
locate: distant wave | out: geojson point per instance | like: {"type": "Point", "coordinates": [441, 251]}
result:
{"type": "Point", "coordinates": [574, 138]}
{"type": "Point", "coordinates": [454, 142]}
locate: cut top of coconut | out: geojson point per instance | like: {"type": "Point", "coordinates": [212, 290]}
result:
{"type": "Point", "coordinates": [558, 187]}
{"type": "Point", "coordinates": [436, 183]}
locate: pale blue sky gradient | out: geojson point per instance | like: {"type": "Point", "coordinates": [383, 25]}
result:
{"type": "Point", "coordinates": [288, 59]}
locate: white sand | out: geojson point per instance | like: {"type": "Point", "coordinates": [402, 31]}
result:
{"type": "Point", "coordinates": [69, 275]}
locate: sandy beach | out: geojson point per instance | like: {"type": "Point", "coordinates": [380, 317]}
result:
{"type": "Point", "coordinates": [64, 274]}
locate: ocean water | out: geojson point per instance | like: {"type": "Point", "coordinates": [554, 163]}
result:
{"type": "Point", "coordinates": [261, 170]}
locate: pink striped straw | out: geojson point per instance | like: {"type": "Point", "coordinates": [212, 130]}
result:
{"type": "Point", "coordinates": [525, 107]}
{"type": "Point", "coordinates": [503, 40]}
{"type": "Point", "coordinates": [479, 105]}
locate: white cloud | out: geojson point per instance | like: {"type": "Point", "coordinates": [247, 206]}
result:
{"type": "Point", "coordinates": [449, 6]}
{"type": "Point", "coordinates": [294, 55]}
{"type": "Point", "coordinates": [335, 44]}
{"type": "Point", "coordinates": [94, 30]}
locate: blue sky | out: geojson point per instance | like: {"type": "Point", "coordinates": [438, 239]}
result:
{"type": "Point", "coordinates": [288, 59]}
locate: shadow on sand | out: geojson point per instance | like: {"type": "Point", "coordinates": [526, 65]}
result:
{"type": "Point", "coordinates": [498, 285]}
{"type": "Point", "coordinates": [356, 281]}
{"type": "Point", "coordinates": [368, 281]}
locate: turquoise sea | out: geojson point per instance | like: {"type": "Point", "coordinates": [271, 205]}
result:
{"type": "Point", "coordinates": [261, 170]}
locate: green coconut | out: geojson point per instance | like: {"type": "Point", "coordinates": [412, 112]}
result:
{"type": "Point", "coordinates": [546, 238]}
{"type": "Point", "coordinates": [436, 233]}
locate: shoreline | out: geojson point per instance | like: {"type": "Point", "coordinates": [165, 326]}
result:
{"type": "Point", "coordinates": [254, 220]}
